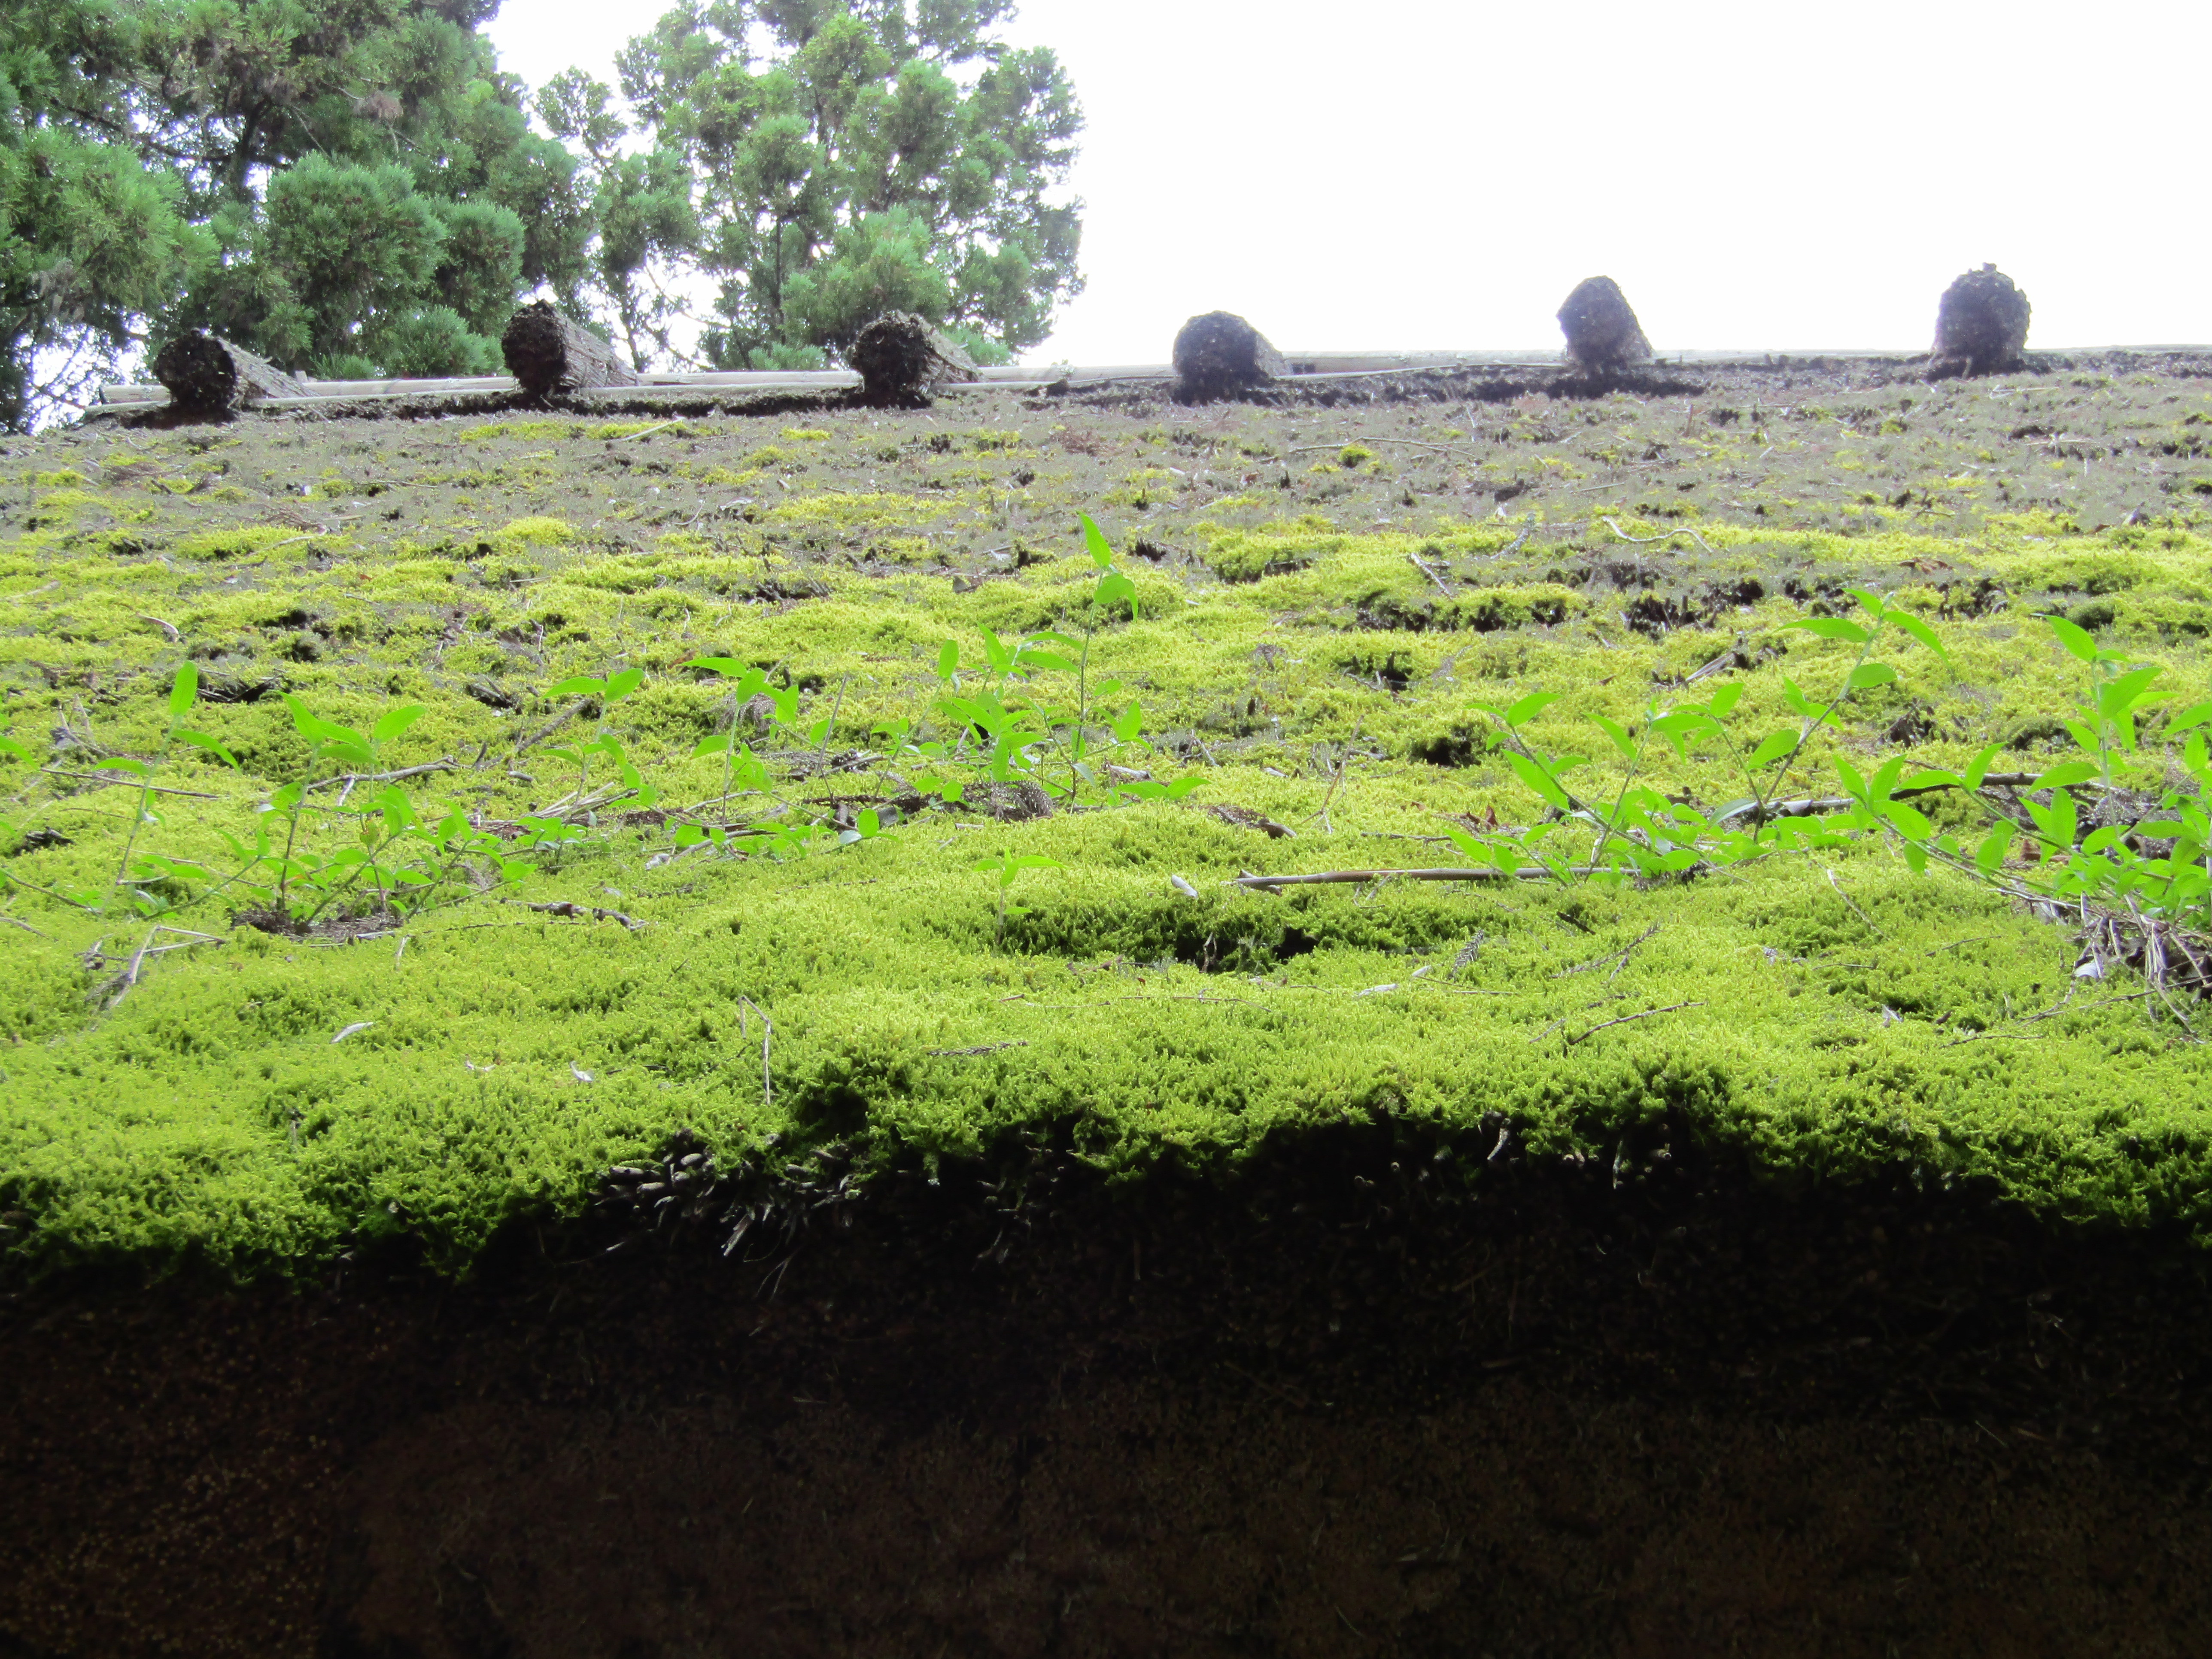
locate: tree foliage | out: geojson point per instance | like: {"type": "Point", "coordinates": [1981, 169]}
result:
{"type": "Point", "coordinates": [351, 187]}
{"type": "Point", "coordinates": [820, 162]}
{"type": "Point", "coordinates": [89, 237]}
{"type": "Point", "coordinates": [344, 185]}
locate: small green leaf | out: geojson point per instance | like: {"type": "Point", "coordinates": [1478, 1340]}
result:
{"type": "Point", "coordinates": [2117, 696]}
{"type": "Point", "coordinates": [1465, 843]}
{"type": "Point", "coordinates": [1931, 779]}
{"type": "Point", "coordinates": [1773, 749]}
{"type": "Point", "coordinates": [1911, 824]}
{"type": "Point", "coordinates": [394, 722]}
{"type": "Point", "coordinates": [2065, 775]}
{"type": "Point", "coordinates": [1725, 700]}
{"type": "Point", "coordinates": [14, 749]}
{"type": "Point", "coordinates": [1870, 674]}
{"type": "Point", "coordinates": [621, 685]}
{"type": "Point", "coordinates": [125, 764]}
{"type": "Point", "coordinates": [1538, 780]}
{"type": "Point", "coordinates": [578, 685]}
{"type": "Point", "coordinates": [316, 729]}
{"type": "Point", "coordinates": [2073, 638]}
{"type": "Point", "coordinates": [1872, 606]}
{"type": "Point", "coordinates": [1529, 707]}
{"type": "Point", "coordinates": [948, 659]}
{"type": "Point", "coordinates": [1920, 631]}
{"type": "Point", "coordinates": [183, 691]}
{"type": "Point", "coordinates": [1980, 767]}
{"type": "Point", "coordinates": [1095, 543]}
{"type": "Point", "coordinates": [1684, 725]}
{"type": "Point", "coordinates": [1621, 740]}
{"type": "Point", "coordinates": [2196, 715]}
{"type": "Point", "coordinates": [201, 740]}
{"type": "Point", "coordinates": [1832, 627]}
{"type": "Point", "coordinates": [727, 667]}
{"type": "Point", "coordinates": [1051, 659]}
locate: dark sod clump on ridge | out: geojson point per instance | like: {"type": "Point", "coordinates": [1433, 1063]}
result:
{"type": "Point", "coordinates": [1218, 355]}
{"type": "Point", "coordinates": [1981, 325]}
{"type": "Point", "coordinates": [209, 375]}
{"type": "Point", "coordinates": [549, 353]}
{"type": "Point", "coordinates": [901, 358]}
{"type": "Point", "coordinates": [1602, 330]}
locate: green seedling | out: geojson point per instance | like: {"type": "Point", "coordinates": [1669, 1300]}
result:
{"type": "Point", "coordinates": [739, 763]}
{"type": "Point", "coordinates": [609, 691]}
{"type": "Point", "coordinates": [2116, 691]}
{"type": "Point", "coordinates": [1005, 867]}
{"type": "Point", "coordinates": [184, 691]}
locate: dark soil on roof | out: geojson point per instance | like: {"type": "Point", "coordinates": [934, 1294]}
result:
{"type": "Point", "coordinates": [1351, 1406]}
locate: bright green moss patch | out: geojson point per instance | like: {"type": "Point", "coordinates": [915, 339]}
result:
{"type": "Point", "coordinates": [536, 533]}
{"type": "Point", "coordinates": [503, 1058]}
{"type": "Point", "coordinates": [1305, 645]}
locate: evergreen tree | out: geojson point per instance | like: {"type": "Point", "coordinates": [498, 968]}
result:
{"type": "Point", "coordinates": [878, 155]}
{"type": "Point", "coordinates": [346, 186]}
{"type": "Point", "coordinates": [376, 198]}
{"type": "Point", "coordinates": [89, 237]}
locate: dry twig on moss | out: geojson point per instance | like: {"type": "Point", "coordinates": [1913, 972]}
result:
{"type": "Point", "coordinates": [1618, 958]}
{"type": "Point", "coordinates": [768, 1033]}
{"type": "Point", "coordinates": [1484, 873]}
{"type": "Point", "coordinates": [578, 912]}
{"type": "Point", "coordinates": [1433, 574]}
{"type": "Point", "coordinates": [1624, 1020]}
{"type": "Point", "coordinates": [1644, 541]}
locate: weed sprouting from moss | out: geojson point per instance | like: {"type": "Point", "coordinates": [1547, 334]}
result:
{"type": "Point", "coordinates": [943, 680]}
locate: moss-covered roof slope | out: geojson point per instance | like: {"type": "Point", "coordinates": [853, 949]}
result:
{"type": "Point", "coordinates": [230, 1056]}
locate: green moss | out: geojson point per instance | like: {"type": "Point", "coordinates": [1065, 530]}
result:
{"type": "Point", "coordinates": [210, 1113]}
{"type": "Point", "coordinates": [493, 431]}
{"type": "Point", "coordinates": [536, 533]}
{"type": "Point", "coordinates": [214, 1115]}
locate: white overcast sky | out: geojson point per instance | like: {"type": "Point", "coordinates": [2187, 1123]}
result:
{"type": "Point", "coordinates": [1414, 176]}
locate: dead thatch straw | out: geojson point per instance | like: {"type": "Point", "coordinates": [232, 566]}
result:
{"type": "Point", "coordinates": [2173, 959]}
